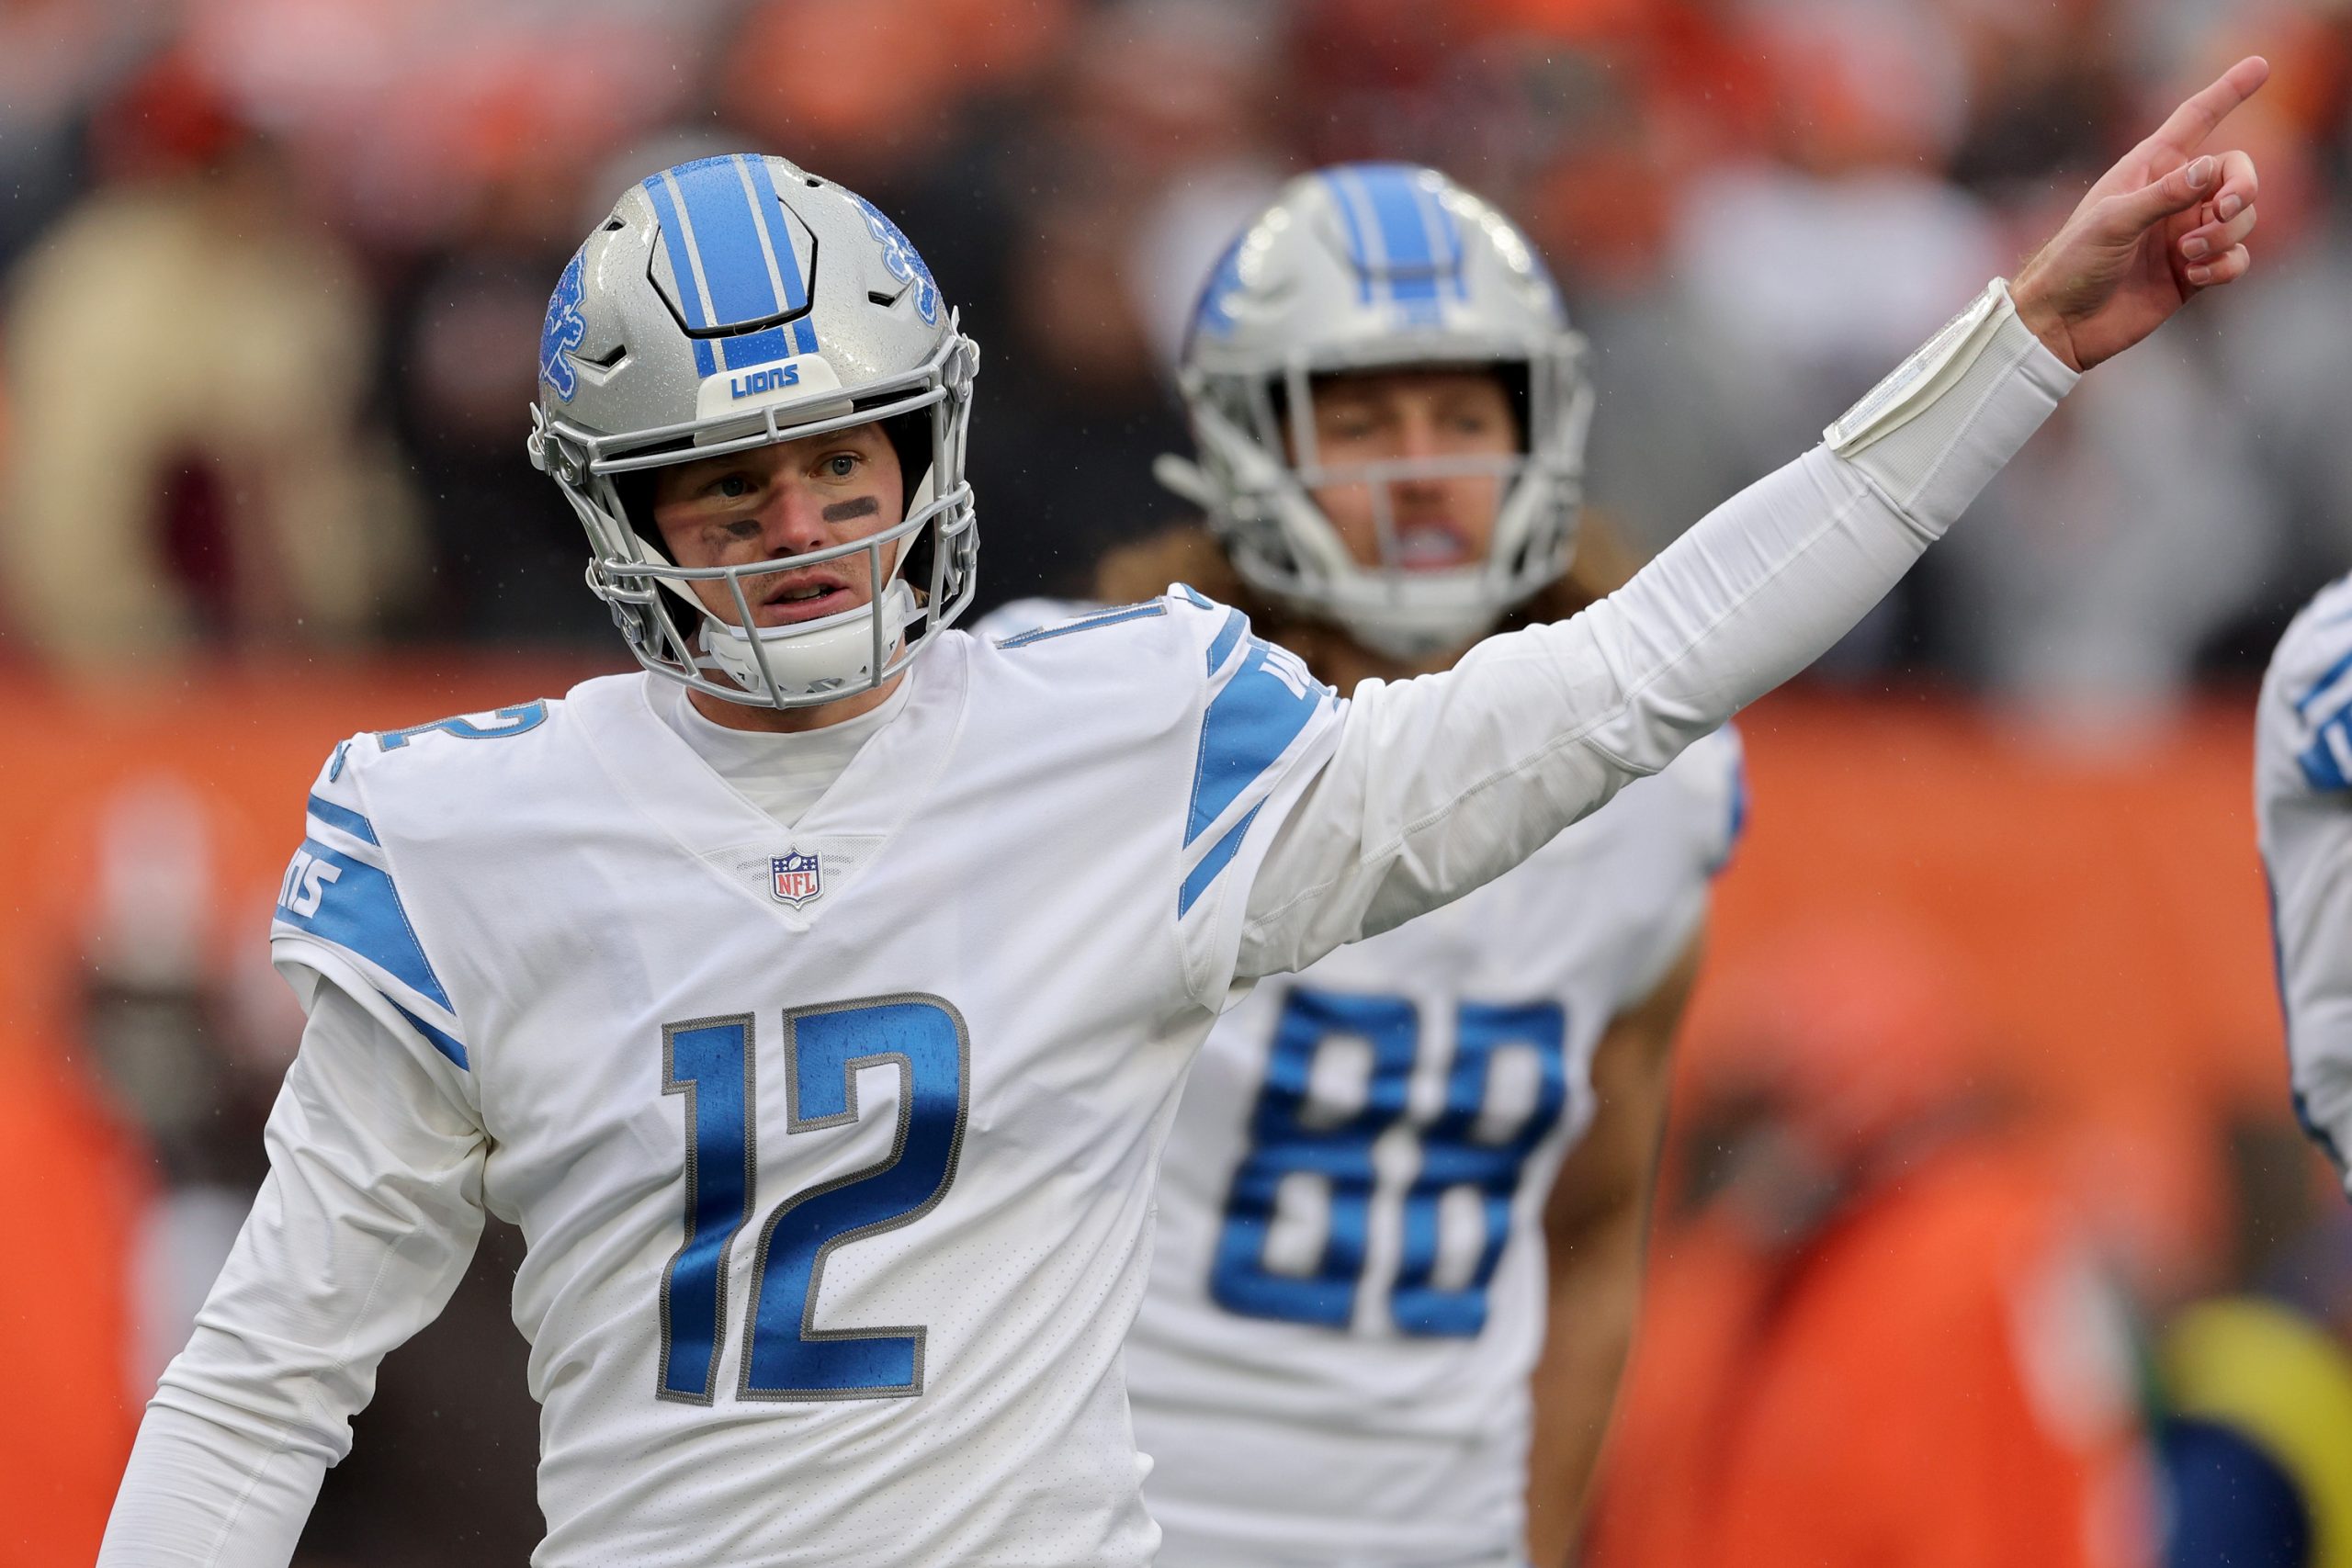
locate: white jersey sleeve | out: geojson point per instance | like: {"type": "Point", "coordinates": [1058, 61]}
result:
{"type": "Point", "coordinates": [1442, 782]}
{"type": "Point", "coordinates": [2303, 808]}
{"type": "Point", "coordinates": [362, 1229]}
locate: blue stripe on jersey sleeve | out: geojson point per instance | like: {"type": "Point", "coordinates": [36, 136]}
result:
{"type": "Point", "coordinates": [1108, 618]}
{"type": "Point", "coordinates": [1236, 623]}
{"type": "Point", "coordinates": [1220, 855]}
{"type": "Point", "coordinates": [342, 816]}
{"type": "Point", "coordinates": [349, 904]}
{"type": "Point", "coordinates": [445, 1043]}
{"type": "Point", "coordinates": [1250, 723]}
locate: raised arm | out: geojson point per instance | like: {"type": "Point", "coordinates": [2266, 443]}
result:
{"type": "Point", "coordinates": [370, 1212]}
{"type": "Point", "coordinates": [1441, 784]}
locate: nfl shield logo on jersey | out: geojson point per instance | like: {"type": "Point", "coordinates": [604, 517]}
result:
{"type": "Point", "coordinates": [799, 877]}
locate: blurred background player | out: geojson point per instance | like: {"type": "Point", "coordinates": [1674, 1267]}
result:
{"type": "Point", "coordinates": [1368, 1241]}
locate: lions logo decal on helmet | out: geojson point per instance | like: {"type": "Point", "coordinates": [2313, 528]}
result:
{"type": "Point", "coordinates": [562, 330]}
{"type": "Point", "coordinates": [900, 258]}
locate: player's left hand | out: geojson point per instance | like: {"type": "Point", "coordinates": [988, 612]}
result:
{"type": "Point", "coordinates": [2168, 222]}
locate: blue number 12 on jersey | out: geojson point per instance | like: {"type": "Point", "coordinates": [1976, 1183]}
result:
{"type": "Point", "coordinates": [1286, 1138]}
{"type": "Point", "coordinates": [710, 1061]}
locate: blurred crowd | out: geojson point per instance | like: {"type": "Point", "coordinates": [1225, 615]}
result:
{"type": "Point", "coordinates": [274, 275]}
{"type": "Point", "coordinates": [275, 267]}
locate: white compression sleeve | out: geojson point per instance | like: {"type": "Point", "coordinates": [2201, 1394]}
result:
{"type": "Point", "coordinates": [363, 1228]}
{"type": "Point", "coordinates": [1444, 783]}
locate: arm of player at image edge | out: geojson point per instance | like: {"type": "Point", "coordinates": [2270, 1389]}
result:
{"type": "Point", "coordinates": [360, 1232]}
{"type": "Point", "coordinates": [1596, 1227]}
{"type": "Point", "coordinates": [1439, 784]}
{"type": "Point", "coordinates": [2302, 785]}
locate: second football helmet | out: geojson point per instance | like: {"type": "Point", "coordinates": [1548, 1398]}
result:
{"type": "Point", "coordinates": [1379, 266]}
{"type": "Point", "coordinates": [729, 303]}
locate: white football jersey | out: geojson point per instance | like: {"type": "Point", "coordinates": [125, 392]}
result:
{"type": "Point", "coordinates": [1348, 1292]}
{"type": "Point", "coordinates": [2302, 786]}
{"type": "Point", "coordinates": [831, 1146]}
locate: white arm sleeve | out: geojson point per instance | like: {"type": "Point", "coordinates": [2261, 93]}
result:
{"type": "Point", "coordinates": [2302, 786]}
{"type": "Point", "coordinates": [360, 1232]}
{"type": "Point", "coordinates": [1444, 783]}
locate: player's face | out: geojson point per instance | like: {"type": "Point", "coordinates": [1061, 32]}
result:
{"type": "Point", "coordinates": [1391, 415]}
{"type": "Point", "coordinates": [786, 499]}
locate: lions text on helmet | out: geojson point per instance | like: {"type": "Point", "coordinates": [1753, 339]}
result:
{"type": "Point", "coordinates": [1389, 409]}
{"type": "Point", "coordinates": [767, 454]}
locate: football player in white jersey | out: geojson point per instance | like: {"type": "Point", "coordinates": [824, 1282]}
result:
{"type": "Point", "coordinates": [2302, 794]}
{"type": "Point", "coordinates": [816, 1000]}
{"type": "Point", "coordinates": [1415, 1177]}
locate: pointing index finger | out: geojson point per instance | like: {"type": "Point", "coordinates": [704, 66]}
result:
{"type": "Point", "coordinates": [2195, 121]}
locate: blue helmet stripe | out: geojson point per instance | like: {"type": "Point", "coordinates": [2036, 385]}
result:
{"type": "Point", "coordinates": [783, 264]}
{"type": "Point", "coordinates": [1403, 237]}
{"type": "Point", "coordinates": [1449, 243]}
{"type": "Point", "coordinates": [723, 235]}
{"type": "Point", "coordinates": [763, 347]}
{"type": "Point", "coordinates": [804, 333]}
{"type": "Point", "coordinates": [1346, 201]}
{"type": "Point", "coordinates": [693, 290]}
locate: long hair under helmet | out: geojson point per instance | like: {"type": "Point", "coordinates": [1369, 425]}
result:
{"type": "Point", "coordinates": [729, 303]}
{"type": "Point", "coordinates": [1379, 266]}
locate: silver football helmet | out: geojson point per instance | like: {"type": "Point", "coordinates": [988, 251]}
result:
{"type": "Point", "coordinates": [1369, 267]}
{"type": "Point", "coordinates": [727, 303]}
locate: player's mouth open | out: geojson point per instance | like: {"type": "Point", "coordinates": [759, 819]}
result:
{"type": "Point", "coordinates": [1430, 547]}
{"type": "Point", "coordinates": [800, 596]}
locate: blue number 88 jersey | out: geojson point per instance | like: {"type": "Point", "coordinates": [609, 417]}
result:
{"type": "Point", "coordinates": [1347, 1295]}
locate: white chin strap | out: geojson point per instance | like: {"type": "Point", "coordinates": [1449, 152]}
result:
{"type": "Point", "coordinates": [831, 654]}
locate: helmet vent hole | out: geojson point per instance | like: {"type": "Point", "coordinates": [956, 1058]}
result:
{"type": "Point", "coordinates": [875, 297]}
{"type": "Point", "coordinates": [613, 223]}
{"type": "Point", "coordinates": [813, 182]}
